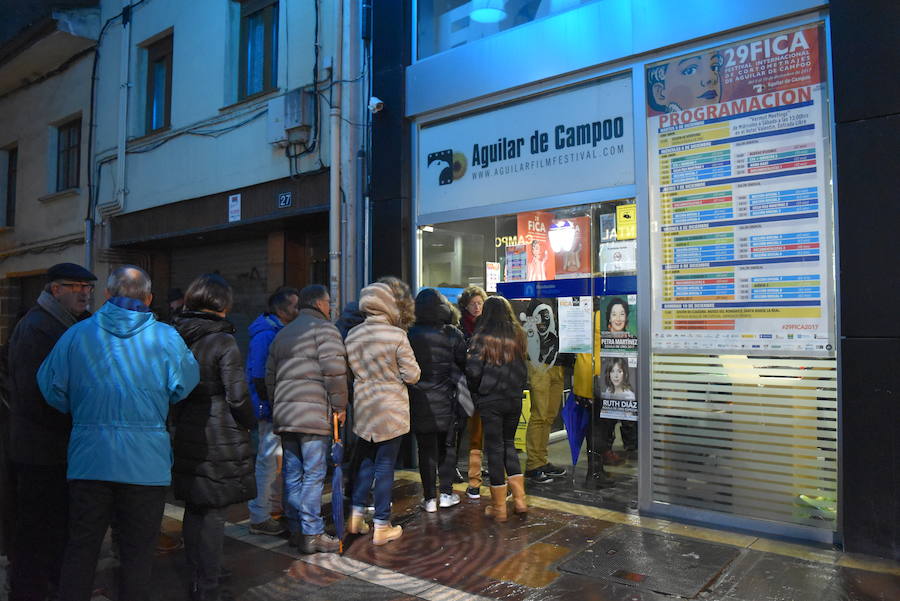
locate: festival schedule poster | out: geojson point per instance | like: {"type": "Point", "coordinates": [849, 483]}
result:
{"type": "Point", "coordinates": [516, 263]}
{"type": "Point", "coordinates": [533, 229]}
{"type": "Point", "coordinates": [740, 198]}
{"type": "Point", "coordinates": [491, 276]}
{"type": "Point", "coordinates": [573, 259]}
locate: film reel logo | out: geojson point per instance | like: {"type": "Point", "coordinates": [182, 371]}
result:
{"type": "Point", "coordinates": [455, 165]}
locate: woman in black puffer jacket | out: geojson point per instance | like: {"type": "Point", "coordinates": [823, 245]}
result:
{"type": "Point", "coordinates": [497, 376]}
{"type": "Point", "coordinates": [213, 460]}
{"type": "Point", "coordinates": [440, 352]}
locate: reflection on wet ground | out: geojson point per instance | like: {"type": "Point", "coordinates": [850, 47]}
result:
{"type": "Point", "coordinates": [549, 554]}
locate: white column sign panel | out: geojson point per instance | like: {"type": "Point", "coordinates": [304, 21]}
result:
{"type": "Point", "coordinates": [570, 141]}
{"type": "Point", "coordinates": [741, 227]}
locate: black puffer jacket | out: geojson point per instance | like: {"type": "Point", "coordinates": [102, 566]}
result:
{"type": "Point", "coordinates": [495, 382]}
{"type": "Point", "coordinates": [39, 434]}
{"type": "Point", "coordinates": [441, 354]}
{"type": "Point", "coordinates": [213, 461]}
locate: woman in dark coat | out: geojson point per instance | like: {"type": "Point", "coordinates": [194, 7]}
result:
{"type": "Point", "coordinates": [440, 351]}
{"type": "Point", "coordinates": [213, 459]}
{"type": "Point", "coordinates": [497, 375]}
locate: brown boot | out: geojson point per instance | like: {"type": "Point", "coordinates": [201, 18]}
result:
{"type": "Point", "coordinates": [357, 524]}
{"type": "Point", "coordinates": [497, 508]}
{"type": "Point", "coordinates": [385, 534]}
{"type": "Point", "coordinates": [517, 485]}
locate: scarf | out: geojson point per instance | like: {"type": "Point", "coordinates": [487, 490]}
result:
{"type": "Point", "coordinates": [468, 322]}
{"type": "Point", "coordinates": [52, 306]}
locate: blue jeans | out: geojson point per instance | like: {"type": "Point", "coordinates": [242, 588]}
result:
{"type": "Point", "coordinates": [304, 477]}
{"type": "Point", "coordinates": [377, 464]}
{"type": "Point", "coordinates": [267, 481]}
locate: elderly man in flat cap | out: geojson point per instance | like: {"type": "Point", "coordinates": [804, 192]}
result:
{"type": "Point", "coordinates": [39, 434]}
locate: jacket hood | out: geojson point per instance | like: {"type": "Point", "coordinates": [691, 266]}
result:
{"type": "Point", "coordinates": [265, 322]}
{"type": "Point", "coordinates": [432, 308]}
{"type": "Point", "coordinates": [377, 300]}
{"type": "Point", "coordinates": [194, 325]}
{"type": "Point", "coordinates": [122, 323]}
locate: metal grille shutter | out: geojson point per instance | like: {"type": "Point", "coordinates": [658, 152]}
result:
{"type": "Point", "coordinates": [243, 263]}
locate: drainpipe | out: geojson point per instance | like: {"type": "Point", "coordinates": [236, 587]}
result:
{"type": "Point", "coordinates": [334, 173]}
{"type": "Point", "coordinates": [124, 85]}
{"type": "Point", "coordinates": [350, 144]}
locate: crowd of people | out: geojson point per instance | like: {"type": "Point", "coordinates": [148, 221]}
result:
{"type": "Point", "coordinates": [107, 412]}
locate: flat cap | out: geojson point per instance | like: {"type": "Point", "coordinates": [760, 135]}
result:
{"type": "Point", "coordinates": [69, 271]}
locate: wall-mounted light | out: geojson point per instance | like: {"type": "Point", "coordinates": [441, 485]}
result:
{"type": "Point", "coordinates": [427, 228]}
{"type": "Point", "coordinates": [487, 11]}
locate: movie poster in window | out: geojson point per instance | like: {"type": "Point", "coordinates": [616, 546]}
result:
{"type": "Point", "coordinates": [570, 240]}
{"type": "Point", "coordinates": [618, 322]}
{"type": "Point", "coordinates": [617, 385]}
{"type": "Point", "coordinates": [533, 230]}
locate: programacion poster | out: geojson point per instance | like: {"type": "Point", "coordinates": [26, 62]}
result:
{"type": "Point", "coordinates": [739, 182]}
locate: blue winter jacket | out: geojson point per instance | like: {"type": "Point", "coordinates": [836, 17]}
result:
{"type": "Point", "coordinates": [262, 333]}
{"type": "Point", "coordinates": [117, 373]}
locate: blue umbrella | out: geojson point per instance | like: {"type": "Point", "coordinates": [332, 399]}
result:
{"type": "Point", "coordinates": [577, 419]}
{"type": "Point", "coordinates": [337, 484]}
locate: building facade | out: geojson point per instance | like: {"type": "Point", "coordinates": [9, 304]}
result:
{"type": "Point", "coordinates": [687, 167]}
{"type": "Point", "coordinates": [216, 142]}
{"type": "Point", "coordinates": [46, 56]}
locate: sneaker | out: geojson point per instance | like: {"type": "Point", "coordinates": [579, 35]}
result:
{"type": "Point", "coordinates": [554, 471]}
{"type": "Point", "coordinates": [429, 505]}
{"type": "Point", "coordinates": [473, 492]}
{"type": "Point", "coordinates": [539, 476]}
{"type": "Point", "coordinates": [458, 477]}
{"type": "Point", "coordinates": [449, 500]}
{"type": "Point", "coordinates": [269, 527]}
{"type": "Point", "coordinates": [319, 543]}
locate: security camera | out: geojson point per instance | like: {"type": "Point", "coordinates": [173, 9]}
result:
{"type": "Point", "coordinates": [375, 104]}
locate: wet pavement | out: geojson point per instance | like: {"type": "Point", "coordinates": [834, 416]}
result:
{"type": "Point", "coordinates": [558, 551]}
{"type": "Point", "coordinates": [578, 542]}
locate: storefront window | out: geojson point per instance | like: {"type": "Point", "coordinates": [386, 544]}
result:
{"type": "Point", "coordinates": [569, 274]}
{"type": "Point", "coordinates": [445, 24]}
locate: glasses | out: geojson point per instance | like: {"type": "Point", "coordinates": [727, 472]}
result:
{"type": "Point", "coordinates": [77, 286]}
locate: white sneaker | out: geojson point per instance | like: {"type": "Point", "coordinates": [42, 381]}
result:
{"type": "Point", "coordinates": [430, 505]}
{"type": "Point", "coordinates": [449, 500]}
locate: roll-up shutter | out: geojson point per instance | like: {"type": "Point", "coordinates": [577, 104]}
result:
{"type": "Point", "coordinates": [243, 263]}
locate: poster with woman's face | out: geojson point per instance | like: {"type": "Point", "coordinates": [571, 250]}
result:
{"type": "Point", "coordinates": [617, 385]}
{"type": "Point", "coordinates": [766, 64]}
{"type": "Point", "coordinates": [533, 231]}
{"type": "Point", "coordinates": [618, 321]}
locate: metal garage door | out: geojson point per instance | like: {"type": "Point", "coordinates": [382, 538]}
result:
{"type": "Point", "coordinates": [242, 263]}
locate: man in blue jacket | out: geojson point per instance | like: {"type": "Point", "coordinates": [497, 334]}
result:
{"type": "Point", "coordinates": [116, 373]}
{"type": "Point", "coordinates": [282, 309]}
